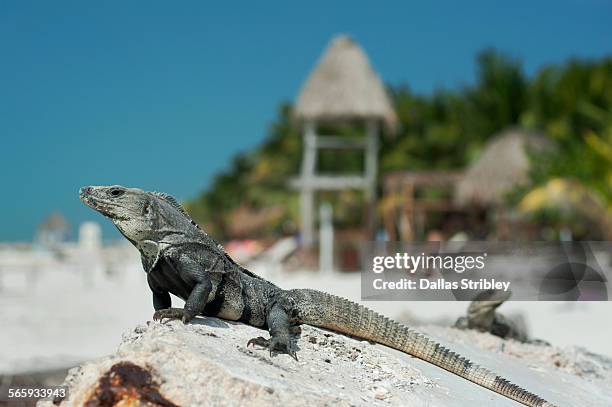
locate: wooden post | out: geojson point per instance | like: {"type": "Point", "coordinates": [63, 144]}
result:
{"type": "Point", "coordinates": [407, 212]}
{"type": "Point", "coordinates": [307, 193]}
{"type": "Point", "coordinates": [310, 182]}
{"type": "Point", "coordinates": [326, 238]}
{"type": "Point", "coordinates": [371, 168]}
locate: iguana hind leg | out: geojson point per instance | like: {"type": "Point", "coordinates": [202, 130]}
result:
{"type": "Point", "coordinates": [283, 329]}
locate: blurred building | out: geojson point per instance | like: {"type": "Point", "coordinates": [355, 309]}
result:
{"type": "Point", "coordinates": [472, 201]}
{"type": "Point", "coordinates": [502, 165]}
{"type": "Point", "coordinates": [343, 89]}
{"type": "Point", "coordinates": [483, 191]}
{"type": "Point", "coordinates": [406, 208]}
{"type": "Point", "coordinates": [90, 236]}
{"type": "Point", "coordinates": [53, 230]}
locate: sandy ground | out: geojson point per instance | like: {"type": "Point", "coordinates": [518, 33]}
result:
{"type": "Point", "coordinates": [62, 319]}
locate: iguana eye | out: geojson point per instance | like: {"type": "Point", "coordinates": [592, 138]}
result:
{"type": "Point", "coordinates": [116, 192]}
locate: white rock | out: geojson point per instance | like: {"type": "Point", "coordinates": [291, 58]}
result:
{"type": "Point", "coordinates": [208, 363]}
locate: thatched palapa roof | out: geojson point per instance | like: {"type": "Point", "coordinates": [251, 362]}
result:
{"type": "Point", "coordinates": [55, 221]}
{"type": "Point", "coordinates": [503, 164]}
{"type": "Point", "coordinates": [343, 86]}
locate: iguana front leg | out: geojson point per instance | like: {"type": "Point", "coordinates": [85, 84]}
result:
{"type": "Point", "coordinates": [282, 325]}
{"type": "Point", "coordinates": [168, 313]}
{"type": "Point", "coordinates": [189, 270]}
{"type": "Point", "coordinates": [161, 297]}
{"type": "Point", "coordinates": [193, 306]}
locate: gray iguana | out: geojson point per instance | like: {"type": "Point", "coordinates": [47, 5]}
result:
{"type": "Point", "coordinates": [482, 316]}
{"type": "Point", "coordinates": [181, 259]}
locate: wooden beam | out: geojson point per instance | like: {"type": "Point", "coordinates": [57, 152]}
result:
{"type": "Point", "coordinates": [371, 168]}
{"type": "Point", "coordinates": [394, 180]}
{"type": "Point", "coordinates": [307, 216]}
{"type": "Point", "coordinates": [340, 143]}
{"type": "Point", "coordinates": [371, 156]}
{"type": "Point", "coordinates": [310, 150]}
{"type": "Point", "coordinates": [307, 194]}
{"type": "Point", "coordinates": [435, 205]}
{"type": "Point", "coordinates": [330, 182]}
{"type": "Point", "coordinates": [407, 213]}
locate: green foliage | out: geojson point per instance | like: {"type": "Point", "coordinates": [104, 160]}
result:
{"type": "Point", "coordinates": [571, 103]}
{"type": "Point", "coordinates": [448, 129]}
{"type": "Point", "coordinates": [257, 179]}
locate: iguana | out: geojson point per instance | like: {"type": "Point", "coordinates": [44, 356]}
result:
{"type": "Point", "coordinates": [182, 259]}
{"type": "Point", "coordinates": [481, 316]}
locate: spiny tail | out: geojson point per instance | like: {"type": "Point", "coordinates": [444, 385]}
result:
{"type": "Point", "coordinates": [344, 316]}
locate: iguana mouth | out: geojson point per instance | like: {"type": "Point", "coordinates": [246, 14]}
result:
{"type": "Point", "coordinates": [100, 205]}
{"type": "Point", "coordinates": [87, 199]}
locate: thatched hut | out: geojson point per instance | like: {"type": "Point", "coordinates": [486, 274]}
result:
{"type": "Point", "coordinates": [343, 86]}
{"type": "Point", "coordinates": [54, 229]}
{"type": "Point", "coordinates": [503, 165]}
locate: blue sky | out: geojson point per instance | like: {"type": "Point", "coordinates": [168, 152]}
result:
{"type": "Point", "coordinates": [161, 95]}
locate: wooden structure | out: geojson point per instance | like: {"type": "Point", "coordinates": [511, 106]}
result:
{"type": "Point", "coordinates": [473, 201]}
{"type": "Point", "coordinates": [342, 88]}
{"type": "Point", "coordinates": [404, 212]}
{"type": "Point", "coordinates": [53, 230]}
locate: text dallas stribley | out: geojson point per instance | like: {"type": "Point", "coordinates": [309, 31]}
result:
{"type": "Point", "coordinates": [441, 284]}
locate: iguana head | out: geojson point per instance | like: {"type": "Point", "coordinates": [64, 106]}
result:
{"type": "Point", "coordinates": [139, 215]}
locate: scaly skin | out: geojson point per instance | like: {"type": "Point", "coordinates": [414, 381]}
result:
{"type": "Point", "coordinates": [181, 259]}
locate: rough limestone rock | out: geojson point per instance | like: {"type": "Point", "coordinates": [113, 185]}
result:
{"type": "Point", "coordinates": [207, 363]}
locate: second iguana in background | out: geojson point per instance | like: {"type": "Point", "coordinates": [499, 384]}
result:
{"type": "Point", "coordinates": [181, 259]}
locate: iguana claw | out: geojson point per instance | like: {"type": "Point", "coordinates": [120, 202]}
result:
{"type": "Point", "coordinates": [259, 341]}
{"type": "Point", "coordinates": [169, 313]}
{"type": "Point", "coordinates": [274, 345]}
